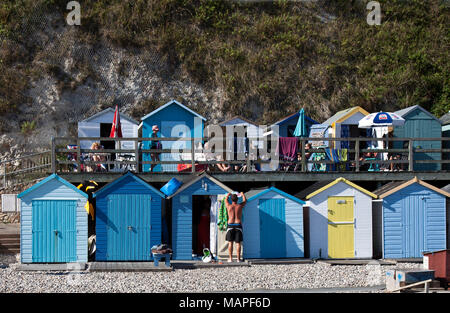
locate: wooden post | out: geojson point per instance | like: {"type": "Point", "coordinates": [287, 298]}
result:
{"type": "Point", "coordinates": [357, 155]}
{"type": "Point", "coordinates": [4, 175]}
{"type": "Point", "coordinates": [410, 155]}
{"type": "Point", "coordinates": [136, 152]}
{"type": "Point", "coordinates": [53, 155]}
{"type": "Point", "coordinates": [248, 155]}
{"type": "Point", "coordinates": [193, 154]}
{"type": "Point", "coordinates": [303, 143]}
{"type": "Point", "coordinates": [78, 155]}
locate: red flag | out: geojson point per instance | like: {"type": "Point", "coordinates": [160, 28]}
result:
{"type": "Point", "coordinates": [116, 129]}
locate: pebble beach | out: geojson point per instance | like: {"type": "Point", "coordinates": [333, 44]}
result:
{"type": "Point", "coordinates": [226, 279]}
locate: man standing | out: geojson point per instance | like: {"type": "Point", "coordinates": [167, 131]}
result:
{"type": "Point", "coordinates": [234, 230]}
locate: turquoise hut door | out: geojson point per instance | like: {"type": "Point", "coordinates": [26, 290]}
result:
{"type": "Point", "coordinates": [272, 228]}
{"type": "Point", "coordinates": [128, 227]}
{"type": "Point", "coordinates": [54, 231]}
{"type": "Point", "coordinates": [173, 129]}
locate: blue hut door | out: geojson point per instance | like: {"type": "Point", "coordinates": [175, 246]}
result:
{"type": "Point", "coordinates": [54, 231]}
{"type": "Point", "coordinates": [272, 228]}
{"type": "Point", "coordinates": [414, 226]}
{"type": "Point", "coordinates": [173, 129]}
{"type": "Point", "coordinates": [129, 227]}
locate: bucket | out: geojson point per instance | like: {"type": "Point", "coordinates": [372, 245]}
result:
{"type": "Point", "coordinates": [171, 187]}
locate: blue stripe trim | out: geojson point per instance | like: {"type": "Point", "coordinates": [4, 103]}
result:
{"type": "Point", "coordinates": [136, 178]}
{"type": "Point", "coordinates": [291, 197]}
{"type": "Point", "coordinates": [53, 176]}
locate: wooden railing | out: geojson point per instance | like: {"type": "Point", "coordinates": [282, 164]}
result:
{"type": "Point", "coordinates": [25, 168]}
{"type": "Point", "coordinates": [405, 158]}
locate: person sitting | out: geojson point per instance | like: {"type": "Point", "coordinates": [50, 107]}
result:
{"type": "Point", "coordinates": [298, 166]}
{"type": "Point", "coordinates": [222, 166]}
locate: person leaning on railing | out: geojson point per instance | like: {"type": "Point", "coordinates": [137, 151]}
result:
{"type": "Point", "coordinates": [155, 144]}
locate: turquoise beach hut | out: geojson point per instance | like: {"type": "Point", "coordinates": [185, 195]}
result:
{"type": "Point", "coordinates": [53, 223]}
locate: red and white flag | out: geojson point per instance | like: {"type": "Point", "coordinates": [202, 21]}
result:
{"type": "Point", "coordinates": [116, 129]}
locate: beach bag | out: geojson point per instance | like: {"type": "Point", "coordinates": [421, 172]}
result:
{"type": "Point", "coordinates": [207, 256]}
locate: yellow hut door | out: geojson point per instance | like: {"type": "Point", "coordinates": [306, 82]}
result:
{"type": "Point", "coordinates": [341, 227]}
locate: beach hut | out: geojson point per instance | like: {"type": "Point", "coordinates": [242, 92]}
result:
{"type": "Point", "coordinates": [194, 200]}
{"type": "Point", "coordinates": [419, 123]}
{"type": "Point", "coordinates": [100, 124]}
{"type": "Point", "coordinates": [251, 129]}
{"type": "Point", "coordinates": [343, 124]}
{"type": "Point", "coordinates": [340, 219]}
{"type": "Point", "coordinates": [128, 219]}
{"type": "Point", "coordinates": [413, 218]}
{"type": "Point", "coordinates": [272, 225]}
{"type": "Point", "coordinates": [174, 120]}
{"type": "Point", "coordinates": [287, 125]}
{"type": "Point", "coordinates": [447, 190]}
{"type": "Point", "coordinates": [445, 121]}
{"type": "Point", "coordinates": [53, 223]}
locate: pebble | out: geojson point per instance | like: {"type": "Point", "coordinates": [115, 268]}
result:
{"type": "Point", "coordinates": [280, 276]}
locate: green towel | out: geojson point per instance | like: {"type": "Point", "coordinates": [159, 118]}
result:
{"type": "Point", "coordinates": [222, 219]}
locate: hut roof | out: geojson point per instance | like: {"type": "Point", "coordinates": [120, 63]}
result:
{"type": "Point", "coordinates": [255, 193]}
{"type": "Point", "coordinates": [344, 114]}
{"type": "Point", "coordinates": [237, 117]}
{"type": "Point", "coordinates": [338, 180]}
{"type": "Point", "coordinates": [122, 116]}
{"type": "Point", "coordinates": [126, 175]}
{"type": "Point", "coordinates": [410, 182]}
{"type": "Point", "coordinates": [170, 103]}
{"type": "Point", "coordinates": [51, 177]}
{"type": "Point", "coordinates": [406, 111]}
{"type": "Point", "coordinates": [445, 119]}
{"type": "Point", "coordinates": [196, 178]}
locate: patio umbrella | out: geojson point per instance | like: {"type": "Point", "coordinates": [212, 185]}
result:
{"type": "Point", "coordinates": [300, 129]}
{"type": "Point", "coordinates": [381, 119]}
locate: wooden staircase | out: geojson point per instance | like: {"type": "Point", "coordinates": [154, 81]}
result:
{"type": "Point", "coordinates": [9, 243]}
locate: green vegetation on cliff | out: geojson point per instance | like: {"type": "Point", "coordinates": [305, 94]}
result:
{"type": "Point", "coordinates": [268, 58]}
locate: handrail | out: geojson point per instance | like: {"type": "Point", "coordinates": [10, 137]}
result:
{"type": "Point", "coordinates": [426, 282]}
{"type": "Point", "coordinates": [355, 155]}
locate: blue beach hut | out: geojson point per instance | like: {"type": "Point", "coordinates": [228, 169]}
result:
{"type": "Point", "coordinates": [413, 215]}
{"type": "Point", "coordinates": [273, 225]}
{"type": "Point", "coordinates": [174, 120]}
{"type": "Point", "coordinates": [200, 192]}
{"type": "Point", "coordinates": [288, 125]}
{"type": "Point", "coordinates": [419, 123]}
{"type": "Point", "coordinates": [54, 223]}
{"type": "Point", "coordinates": [445, 121]}
{"type": "Point", "coordinates": [128, 219]}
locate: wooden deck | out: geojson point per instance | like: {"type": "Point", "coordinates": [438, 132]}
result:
{"type": "Point", "coordinates": [71, 163]}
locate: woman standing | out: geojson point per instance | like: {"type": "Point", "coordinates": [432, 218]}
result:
{"type": "Point", "coordinates": [155, 145]}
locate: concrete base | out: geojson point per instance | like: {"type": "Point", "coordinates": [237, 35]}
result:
{"type": "Point", "coordinates": [61, 267]}
{"type": "Point", "coordinates": [279, 261]}
{"type": "Point", "coordinates": [357, 262]}
{"type": "Point", "coordinates": [200, 264]}
{"type": "Point", "coordinates": [128, 267]}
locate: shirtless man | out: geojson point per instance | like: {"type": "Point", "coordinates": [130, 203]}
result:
{"type": "Point", "coordinates": [234, 230]}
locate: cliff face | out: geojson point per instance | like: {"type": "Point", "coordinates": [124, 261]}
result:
{"type": "Point", "coordinates": [221, 58]}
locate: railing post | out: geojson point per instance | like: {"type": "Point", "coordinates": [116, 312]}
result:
{"type": "Point", "coordinates": [248, 154]}
{"type": "Point", "coordinates": [136, 152]}
{"type": "Point", "coordinates": [303, 143]}
{"type": "Point", "coordinates": [410, 155]}
{"type": "Point", "coordinates": [53, 155]}
{"type": "Point", "coordinates": [357, 155]}
{"type": "Point", "coordinates": [193, 154]}
{"type": "Point", "coordinates": [78, 161]}
{"type": "Point", "coordinates": [4, 175]}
